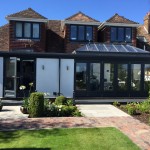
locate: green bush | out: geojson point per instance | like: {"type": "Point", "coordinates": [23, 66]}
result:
{"type": "Point", "coordinates": [52, 110]}
{"type": "Point", "coordinates": [145, 106]}
{"type": "Point", "coordinates": [116, 103]}
{"type": "Point", "coordinates": [67, 110]}
{"type": "Point", "coordinates": [131, 108]}
{"type": "Point", "coordinates": [26, 102]}
{"type": "Point", "coordinates": [61, 100]}
{"type": "Point", "coordinates": [36, 104]}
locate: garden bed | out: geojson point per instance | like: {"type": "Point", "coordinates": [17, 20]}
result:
{"type": "Point", "coordinates": [143, 116]}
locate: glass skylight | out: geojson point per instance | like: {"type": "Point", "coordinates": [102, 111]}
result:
{"type": "Point", "coordinates": [110, 48]}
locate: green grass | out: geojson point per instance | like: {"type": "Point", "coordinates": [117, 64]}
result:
{"type": "Point", "coordinates": [66, 139]}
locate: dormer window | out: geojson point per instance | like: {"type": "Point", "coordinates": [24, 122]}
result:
{"type": "Point", "coordinates": [81, 33]}
{"type": "Point", "coordinates": [121, 34]}
{"type": "Point", "coordinates": [27, 30]}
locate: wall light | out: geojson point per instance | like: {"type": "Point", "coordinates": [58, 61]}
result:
{"type": "Point", "coordinates": [67, 67]}
{"type": "Point", "coordinates": [43, 67]}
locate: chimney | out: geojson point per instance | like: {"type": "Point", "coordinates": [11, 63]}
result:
{"type": "Point", "coordinates": [147, 22]}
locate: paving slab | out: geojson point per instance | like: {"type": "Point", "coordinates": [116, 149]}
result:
{"type": "Point", "coordinates": [108, 110]}
{"type": "Point", "coordinates": [12, 113]}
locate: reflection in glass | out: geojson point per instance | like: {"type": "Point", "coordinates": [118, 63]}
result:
{"type": "Point", "coordinates": [81, 33]}
{"type": "Point", "coordinates": [10, 74]}
{"type": "Point", "coordinates": [113, 34]}
{"type": "Point", "coordinates": [135, 76]}
{"type": "Point", "coordinates": [18, 29]}
{"type": "Point", "coordinates": [128, 34]}
{"type": "Point", "coordinates": [27, 30]}
{"type": "Point", "coordinates": [36, 30]}
{"type": "Point", "coordinates": [89, 32]}
{"type": "Point", "coordinates": [122, 76]}
{"type": "Point", "coordinates": [81, 76]}
{"type": "Point", "coordinates": [120, 34]}
{"type": "Point", "coordinates": [147, 77]}
{"type": "Point", "coordinates": [94, 76]}
{"type": "Point", "coordinates": [73, 33]}
{"type": "Point", "coordinates": [108, 77]}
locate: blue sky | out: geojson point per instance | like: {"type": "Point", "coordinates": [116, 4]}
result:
{"type": "Point", "coordinates": [60, 9]}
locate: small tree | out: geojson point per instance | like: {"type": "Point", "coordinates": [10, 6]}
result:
{"type": "Point", "coordinates": [36, 104]}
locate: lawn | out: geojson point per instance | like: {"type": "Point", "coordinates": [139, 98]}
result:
{"type": "Point", "coordinates": [66, 139]}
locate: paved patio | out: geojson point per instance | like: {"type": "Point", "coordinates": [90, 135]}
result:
{"type": "Point", "coordinates": [138, 132]}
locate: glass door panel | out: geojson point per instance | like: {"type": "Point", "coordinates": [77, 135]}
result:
{"type": "Point", "coordinates": [94, 80]}
{"type": "Point", "coordinates": [146, 78]}
{"type": "Point", "coordinates": [10, 77]}
{"type": "Point", "coordinates": [108, 77]}
{"type": "Point", "coordinates": [122, 77]}
{"type": "Point", "coordinates": [81, 76]}
{"type": "Point", "coordinates": [135, 77]}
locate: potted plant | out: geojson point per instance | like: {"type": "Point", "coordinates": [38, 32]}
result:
{"type": "Point", "coordinates": [1, 106]}
{"type": "Point", "coordinates": [24, 107]}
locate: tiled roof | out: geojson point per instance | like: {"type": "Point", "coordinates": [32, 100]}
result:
{"type": "Point", "coordinates": [141, 31]}
{"type": "Point", "coordinates": [81, 17]}
{"type": "Point", "coordinates": [120, 19]}
{"type": "Point", "coordinates": [28, 13]}
{"type": "Point", "coordinates": [4, 37]}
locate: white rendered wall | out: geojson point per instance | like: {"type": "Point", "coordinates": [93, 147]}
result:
{"type": "Point", "coordinates": [1, 77]}
{"type": "Point", "coordinates": [47, 75]}
{"type": "Point", "coordinates": [67, 77]}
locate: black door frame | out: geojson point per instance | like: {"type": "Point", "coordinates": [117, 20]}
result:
{"type": "Point", "coordinates": [19, 76]}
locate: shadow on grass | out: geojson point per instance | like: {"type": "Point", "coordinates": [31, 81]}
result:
{"type": "Point", "coordinates": [25, 149]}
{"type": "Point", "coordinates": [10, 136]}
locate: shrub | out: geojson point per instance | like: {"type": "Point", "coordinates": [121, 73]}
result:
{"type": "Point", "coordinates": [70, 102]}
{"type": "Point", "coordinates": [131, 108]}
{"type": "Point", "coordinates": [36, 104]}
{"type": "Point", "coordinates": [145, 106]}
{"type": "Point", "coordinates": [68, 110]}
{"type": "Point", "coordinates": [116, 103]}
{"type": "Point", "coordinates": [52, 110]}
{"type": "Point", "coordinates": [61, 100]}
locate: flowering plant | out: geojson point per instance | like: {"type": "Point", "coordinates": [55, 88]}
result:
{"type": "Point", "coordinates": [22, 87]}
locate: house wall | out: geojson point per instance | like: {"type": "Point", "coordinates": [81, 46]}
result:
{"type": "Point", "coordinates": [67, 77]}
{"type": "Point", "coordinates": [70, 46]}
{"type": "Point", "coordinates": [1, 77]}
{"type": "Point", "coordinates": [47, 75]}
{"type": "Point", "coordinates": [104, 35]}
{"type": "Point", "coordinates": [36, 45]}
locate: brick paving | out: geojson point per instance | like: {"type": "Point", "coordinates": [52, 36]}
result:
{"type": "Point", "coordinates": [137, 131]}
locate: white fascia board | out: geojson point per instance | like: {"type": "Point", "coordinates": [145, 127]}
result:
{"type": "Point", "coordinates": [26, 19]}
{"type": "Point", "coordinates": [81, 22]}
{"type": "Point", "coordinates": [118, 25]}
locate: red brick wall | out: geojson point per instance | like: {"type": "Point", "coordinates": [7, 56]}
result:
{"type": "Point", "coordinates": [36, 45]}
{"type": "Point", "coordinates": [134, 33]}
{"type": "Point", "coordinates": [104, 35]}
{"type": "Point", "coordinates": [54, 37]}
{"type": "Point", "coordinates": [70, 46]}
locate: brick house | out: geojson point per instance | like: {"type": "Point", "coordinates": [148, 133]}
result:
{"type": "Point", "coordinates": [143, 33]}
{"type": "Point", "coordinates": [118, 29]}
{"type": "Point", "coordinates": [27, 30]}
{"type": "Point", "coordinates": [105, 61]}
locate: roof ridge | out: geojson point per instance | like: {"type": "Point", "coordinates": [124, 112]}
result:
{"type": "Point", "coordinates": [116, 14]}
{"type": "Point", "coordinates": [25, 11]}
{"type": "Point", "coordinates": [80, 12]}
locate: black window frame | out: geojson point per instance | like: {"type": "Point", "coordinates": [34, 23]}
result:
{"type": "Point", "coordinates": [117, 37]}
{"type": "Point", "coordinates": [77, 33]}
{"type": "Point", "coordinates": [23, 24]}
